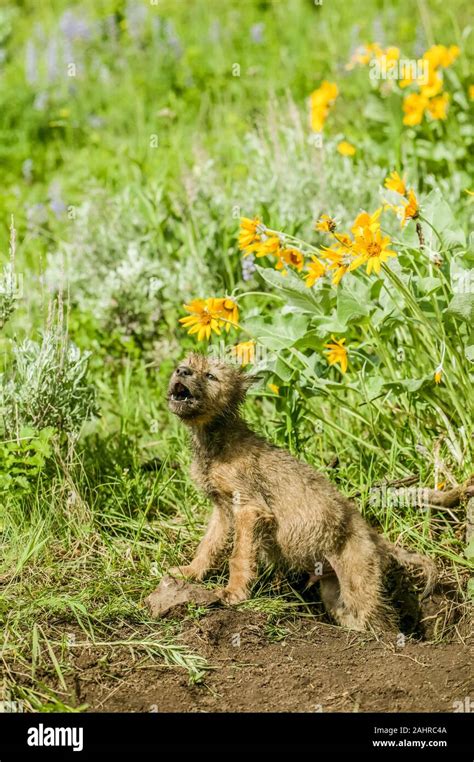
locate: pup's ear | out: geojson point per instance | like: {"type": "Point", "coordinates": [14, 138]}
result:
{"type": "Point", "coordinates": [249, 379]}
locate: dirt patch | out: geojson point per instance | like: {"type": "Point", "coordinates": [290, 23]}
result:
{"type": "Point", "coordinates": [307, 667]}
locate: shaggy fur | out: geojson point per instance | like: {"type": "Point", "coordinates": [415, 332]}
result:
{"type": "Point", "coordinates": [268, 504]}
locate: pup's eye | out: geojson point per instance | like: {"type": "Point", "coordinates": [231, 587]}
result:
{"type": "Point", "coordinates": [211, 377]}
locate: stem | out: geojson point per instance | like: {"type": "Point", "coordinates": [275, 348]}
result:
{"type": "Point", "coordinates": [419, 232]}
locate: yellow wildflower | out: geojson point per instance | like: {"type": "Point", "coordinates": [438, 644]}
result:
{"type": "Point", "coordinates": [293, 257]}
{"type": "Point", "coordinates": [326, 224]}
{"type": "Point", "coordinates": [244, 352]}
{"type": "Point", "coordinates": [437, 107]}
{"type": "Point", "coordinates": [209, 315]}
{"type": "Point", "coordinates": [432, 86]}
{"type": "Point", "coordinates": [365, 220]}
{"type": "Point", "coordinates": [414, 106]}
{"type": "Point", "coordinates": [340, 263]}
{"type": "Point", "coordinates": [365, 53]}
{"type": "Point", "coordinates": [392, 53]}
{"type": "Point", "coordinates": [249, 233]}
{"type": "Point", "coordinates": [274, 388]}
{"type": "Point", "coordinates": [316, 270]}
{"type": "Point", "coordinates": [372, 249]}
{"type": "Point", "coordinates": [201, 320]}
{"type": "Point", "coordinates": [337, 353]}
{"type": "Point", "coordinates": [440, 55]}
{"type": "Point", "coordinates": [438, 374]}
{"type": "Point", "coordinates": [320, 102]}
{"type": "Point", "coordinates": [227, 310]}
{"type": "Point", "coordinates": [411, 207]}
{"type": "Point", "coordinates": [271, 245]}
{"type": "Point", "coordinates": [395, 183]}
{"type": "Point", "coordinates": [346, 149]}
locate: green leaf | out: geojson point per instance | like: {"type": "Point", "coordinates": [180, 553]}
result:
{"type": "Point", "coordinates": [292, 287]}
{"type": "Point", "coordinates": [282, 370]}
{"type": "Point", "coordinates": [349, 308]}
{"type": "Point", "coordinates": [282, 332]}
{"type": "Point", "coordinates": [462, 306]}
{"type": "Point", "coordinates": [469, 552]}
{"type": "Point", "coordinates": [469, 352]}
{"type": "Point", "coordinates": [428, 285]}
{"type": "Point", "coordinates": [405, 384]}
{"type": "Point", "coordinates": [438, 212]}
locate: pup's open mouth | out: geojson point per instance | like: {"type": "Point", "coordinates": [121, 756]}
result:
{"type": "Point", "coordinates": [181, 393]}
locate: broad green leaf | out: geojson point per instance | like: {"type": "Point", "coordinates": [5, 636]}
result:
{"type": "Point", "coordinates": [349, 308]}
{"type": "Point", "coordinates": [292, 287]}
{"type": "Point", "coordinates": [405, 384]}
{"type": "Point", "coordinates": [282, 332]}
{"type": "Point", "coordinates": [462, 306]}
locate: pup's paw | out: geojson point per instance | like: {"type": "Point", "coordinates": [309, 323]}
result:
{"type": "Point", "coordinates": [184, 571]}
{"type": "Point", "coordinates": [231, 596]}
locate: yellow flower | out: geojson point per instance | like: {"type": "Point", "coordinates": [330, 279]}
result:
{"type": "Point", "coordinates": [411, 208]}
{"type": "Point", "coordinates": [269, 246]}
{"type": "Point", "coordinates": [361, 56]}
{"type": "Point", "coordinates": [440, 55]}
{"type": "Point", "coordinates": [453, 52]}
{"type": "Point", "coordinates": [395, 183]}
{"type": "Point", "coordinates": [326, 93]}
{"type": "Point", "coordinates": [249, 233]}
{"type": "Point", "coordinates": [438, 374]}
{"type": "Point", "coordinates": [433, 86]}
{"type": "Point", "coordinates": [337, 353]}
{"type": "Point", "coordinates": [227, 310]}
{"type": "Point", "coordinates": [293, 257]}
{"type": "Point", "coordinates": [437, 107]}
{"type": "Point", "coordinates": [326, 224]}
{"type": "Point", "coordinates": [319, 115]}
{"type": "Point", "coordinates": [209, 315]}
{"type": "Point", "coordinates": [365, 220]}
{"type": "Point", "coordinates": [407, 73]}
{"type": "Point", "coordinates": [201, 320]}
{"type": "Point", "coordinates": [414, 107]}
{"type": "Point", "coordinates": [372, 249]}
{"type": "Point", "coordinates": [392, 53]}
{"type": "Point", "coordinates": [274, 388]}
{"type": "Point", "coordinates": [244, 352]}
{"type": "Point", "coordinates": [315, 269]}
{"type": "Point", "coordinates": [366, 53]}
{"type": "Point", "coordinates": [340, 257]}
{"type": "Point", "coordinates": [346, 149]}
{"type": "Point", "coordinates": [471, 92]}
{"type": "Point", "coordinates": [320, 102]}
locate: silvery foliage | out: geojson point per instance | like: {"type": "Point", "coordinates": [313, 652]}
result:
{"type": "Point", "coordinates": [8, 293]}
{"type": "Point", "coordinates": [47, 385]}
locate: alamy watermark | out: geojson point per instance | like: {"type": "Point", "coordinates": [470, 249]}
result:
{"type": "Point", "coordinates": [410, 69]}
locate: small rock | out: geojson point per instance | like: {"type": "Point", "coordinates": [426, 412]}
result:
{"type": "Point", "coordinates": [172, 593]}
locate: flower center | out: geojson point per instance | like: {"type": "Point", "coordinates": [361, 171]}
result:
{"type": "Point", "coordinates": [374, 249]}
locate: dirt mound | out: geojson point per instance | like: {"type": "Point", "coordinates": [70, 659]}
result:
{"type": "Point", "coordinates": [302, 667]}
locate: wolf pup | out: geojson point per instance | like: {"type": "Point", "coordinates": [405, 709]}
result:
{"type": "Point", "coordinates": [269, 505]}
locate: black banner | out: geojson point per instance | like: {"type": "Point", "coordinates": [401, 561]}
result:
{"type": "Point", "coordinates": [90, 736]}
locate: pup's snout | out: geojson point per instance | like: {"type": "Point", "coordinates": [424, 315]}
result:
{"type": "Point", "coordinates": [184, 372]}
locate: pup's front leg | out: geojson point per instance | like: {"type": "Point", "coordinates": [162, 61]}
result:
{"type": "Point", "coordinates": [208, 550]}
{"type": "Point", "coordinates": [243, 561]}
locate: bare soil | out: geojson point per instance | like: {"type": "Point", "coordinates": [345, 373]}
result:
{"type": "Point", "coordinates": [309, 667]}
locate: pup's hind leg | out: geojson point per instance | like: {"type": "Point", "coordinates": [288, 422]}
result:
{"type": "Point", "coordinates": [354, 599]}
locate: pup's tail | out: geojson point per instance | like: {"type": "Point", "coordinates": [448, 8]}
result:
{"type": "Point", "coordinates": [409, 560]}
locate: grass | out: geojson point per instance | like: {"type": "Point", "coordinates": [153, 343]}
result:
{"type": "Point", "coordinates": [126, 183]}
